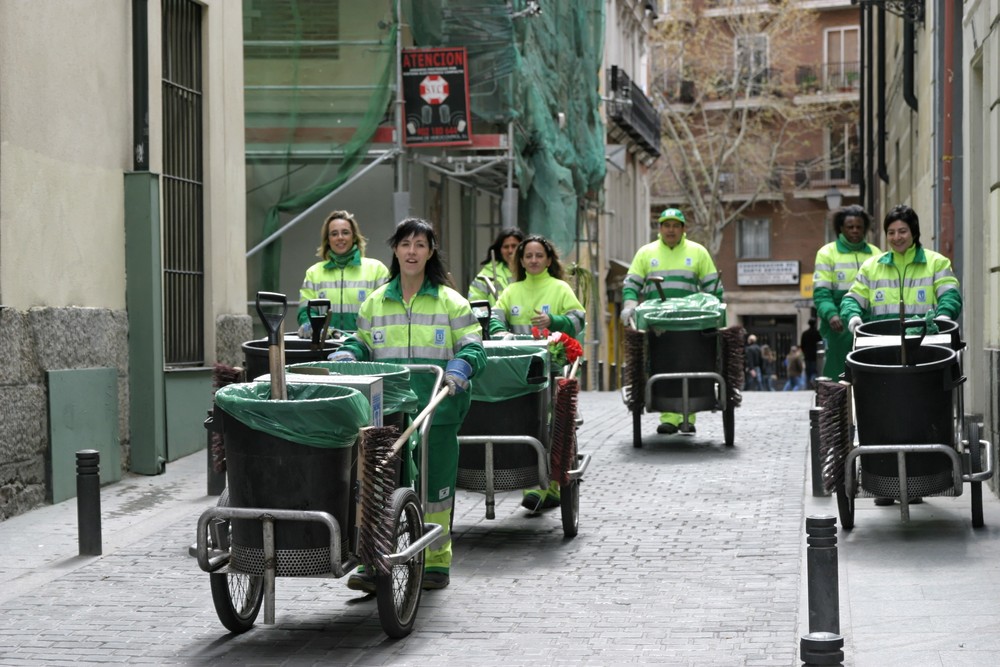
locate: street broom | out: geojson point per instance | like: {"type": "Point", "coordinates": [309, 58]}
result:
{"type": "Point", "coordinates": [378, 448]}
{"type": "Point", "coordinates": [733, 362]}
{"type": "Point", "coordinates": [634, 375]}
{"type": "Point", "coordinates": [562, 453]}
{"type": "Point", "coordinates": [834, 432]}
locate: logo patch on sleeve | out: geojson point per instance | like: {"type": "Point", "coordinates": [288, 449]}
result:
{"type": "Point", "coordinates": [439, 336]}
{"type": "Point", "coordinates": [361, 295]}
{"type": "Point", "coordinates": [378, 336]}
{"type": "Point", "coordinates": [515, 311]}
{"type": "Point", "coordinates": [922, 295]}
{"type": "Point", "coordinates": [688, 261]}
{"type": "Point", "coordinates": [879, 296]}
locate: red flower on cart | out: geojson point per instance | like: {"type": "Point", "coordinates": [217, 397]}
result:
{"type": "Point", "coordinates": [563, 348]}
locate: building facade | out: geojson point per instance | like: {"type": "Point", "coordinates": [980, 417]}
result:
{"type": "Point", "coordinates": [121, 234]}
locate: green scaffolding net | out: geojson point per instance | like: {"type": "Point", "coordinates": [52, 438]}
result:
{"type": "Point", "coordinates": [320, 94]}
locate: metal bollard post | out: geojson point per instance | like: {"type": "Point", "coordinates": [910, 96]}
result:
{"type": "Point", "coordinates": [88, 501]}
{"type": "Point", "coordinates": [600, 376]}
{"type": "Point", "coordinates": [823, 645]}
{"type": "Point", "coordinates": [613, 377]}
{"type": "Point", "coordinates": [816, 463]}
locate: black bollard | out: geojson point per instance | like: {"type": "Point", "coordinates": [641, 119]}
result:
{"type": "Point", "coordinates": [814, 455]}
{"type": "Point", "coordinates": [823, 645]}
{"type": "Point", "coordinates": [613, 377]}
{"type": "Point", "coordinates": [600, 376]}
{"type": "Point", "coordinates": [88, 501]}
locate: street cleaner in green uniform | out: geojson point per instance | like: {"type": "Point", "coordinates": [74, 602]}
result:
{"type": "Point", "coordinates": [538, 299]}
{"type": "Point", "coordinates": [686, 268]}
{"type": "Point", "coordinates": [419, 318]}
{"type": "Point", "coordinates": [837, 264]}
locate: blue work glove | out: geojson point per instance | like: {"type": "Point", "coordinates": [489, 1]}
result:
{"type": "Point", "coordinates": [306, 331]}
{"type": "Point", "coordinates": [456, 376]}
{"type": "Point", "coordinates": [342, 355]}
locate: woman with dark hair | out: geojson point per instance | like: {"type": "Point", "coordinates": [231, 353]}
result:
{"type": "Point", "coordinates": [498, 267]}
{"type": "Point", "coordinates": [417, 317]}
{"type": "Point", "coordinates": [907, 275]}
{"type": "Point", "coordinates": [836, 265]}
{"type": "Point", "coordinates": [345, 276]}
{"type": "Point", "coordinates": [538, 298]}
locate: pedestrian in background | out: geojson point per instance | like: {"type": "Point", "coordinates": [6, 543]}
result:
{"type": "Point", "coordinates": [837, 264]}
{"type": "Point", "coordinates": [686, 268]}
{"type": "Point", "coordinates": [345, 276]}
{"type": "Point", "coordinates": [769, 366]}
{"type": "Point", "coordinates": [754, 363]}
{"type": "Point", "coordinates": [418, 318]}
{"type": "Point", "coordinates": [795, 366]}
{"type": "Point", "coordinates": [809, 344]}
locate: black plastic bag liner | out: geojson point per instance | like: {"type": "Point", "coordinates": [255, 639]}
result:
{"type": "Point", "coordinates": [689, 313]}
{"type": "Point", "coordinates": [511, 372]}
{"type": "Point", "coordinates": [319, 415]}
{"type": "Point", "coordinates": [396, 393]}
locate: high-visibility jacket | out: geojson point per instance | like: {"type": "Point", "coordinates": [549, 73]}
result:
{"type": "Point", "coordinates": [923, 277]}
{"type": "Point", "coordinates": [498, 273]}
{"type": "Point", "coordinates": [345, 286]}
{"type": "Point", "coordinates": [687, 268]}
{"type": "Point", "coordinates": [837, 264]}
{"type": "Point", "coordinates": [541, 292]}
{"type": "Point", "coordinates": [437, 325]}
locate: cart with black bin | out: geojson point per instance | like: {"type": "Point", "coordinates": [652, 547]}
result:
{"type": "Point", "coordinates": [909, 438]}
{"type": "Point", "coordinates": [520, 431]}
{"type": "Point", "coordinates": [314, 490]}
{"type": "Point", "coordinates": [681, 358]}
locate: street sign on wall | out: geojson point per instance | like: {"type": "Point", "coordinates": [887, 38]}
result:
{"type": "Point", "coordinates": [436, 97]}
{"type": "Point", "coordinates": [767, 273]}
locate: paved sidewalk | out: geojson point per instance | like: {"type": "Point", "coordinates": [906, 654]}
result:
{"type": "Point", "coordinates": [689, 553]}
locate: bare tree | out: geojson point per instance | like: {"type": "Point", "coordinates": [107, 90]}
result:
{"type": "Point", "coordinates": [729, 114]}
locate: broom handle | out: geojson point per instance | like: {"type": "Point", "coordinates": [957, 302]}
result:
{"type": "Point", "coordinates": [572, 369]}
{"type": "Point", "coordinates": [424, 414]}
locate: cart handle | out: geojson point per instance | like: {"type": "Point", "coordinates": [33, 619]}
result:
{"type": "Point", "coordinates": [272, 321]}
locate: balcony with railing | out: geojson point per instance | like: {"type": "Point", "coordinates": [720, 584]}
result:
{"type": "Point", "coordinates": [827, 78]}
{"type": "Point", "coordinates": [815, 177]}
{"type": "Point", "coordinates": [632, 114]}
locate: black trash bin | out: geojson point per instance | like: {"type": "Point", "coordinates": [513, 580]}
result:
{"type": "Point", "coordinates": [510, 397]}
{"type": "Point", "coordinates": [297, 350]}
{"type": "Point", "coordinates": [912, 404]}
{"type": "Point", "coordinates": [298, 455]}
{"type": "Point", "coordinates": [891, 328]}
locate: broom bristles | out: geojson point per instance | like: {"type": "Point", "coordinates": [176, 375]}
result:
{"type": "Point", "coordinates": [635, 365]}
{"type": "Point", "coordinates": [222, 375]}
{"type": "Point", "coordinates": [562, 454]}
{"type": "Point", "coordinates": [834, 425]}
{"type": "Point", "coordinates": [377, 484]}
{"type": "Point", "coordinates": [733, 362]}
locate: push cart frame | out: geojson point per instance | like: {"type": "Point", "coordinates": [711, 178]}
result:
{"type": "Point", "coordinates": [569, 495]}
{"type": "Point", "coordinates": [398, 600]}
{"type": "Point", "coordinates": [971, 458]}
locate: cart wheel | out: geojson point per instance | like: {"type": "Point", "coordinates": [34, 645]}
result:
{"type": "Point", "coordinates": [976, 465]}
{"type": "Point", "coordinates": [398, 593]}
{"type": "Point", "coordinates": [729, 423]}
{"type": "Point", "coordinates": [569, 496]}
{"type": "Point", "coordinates": [845, 503]}
{"type": "Point", "coordinates": [237, 597]}
{"type": "Point", "coordinates": [637, 427]}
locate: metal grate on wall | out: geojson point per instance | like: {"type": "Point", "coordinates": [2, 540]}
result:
{"type": "Point", "coordinates": [183, 188]}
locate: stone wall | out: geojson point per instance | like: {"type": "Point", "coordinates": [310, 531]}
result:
{"type": "Point", "coordinates": [231, 331]}
{"type": "Point", "coordinates": [34, 342]}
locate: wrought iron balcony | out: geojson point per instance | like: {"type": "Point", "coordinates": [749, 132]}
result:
{"type": "Point", "coordinates": [828, 77]}
{"type": "Point", "coordinates": [632, 112]}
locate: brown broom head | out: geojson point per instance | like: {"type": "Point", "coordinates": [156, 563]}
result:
{"type": "Point", "coordinates": [733, 362]}
{"type": "Point", "coordinates": [562, 454]}
{"type": "Point", "coordinates": [377, 483]}
{"type": "Point", "coordinates": [222, 375]}
{"type": "Point", "coordinates": [634, 374]}
{"type": "Point", "coordinates": [834, 424]}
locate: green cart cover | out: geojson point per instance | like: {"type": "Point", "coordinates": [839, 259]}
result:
{"type": "Point", "coordinates": [511, 372]}
{"type": "Point", "coordinates": [689, 313]}
{"type": "Point", "coordinates": [319, 415]}
{"type": "Point", "coordinates": [396, 393]}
